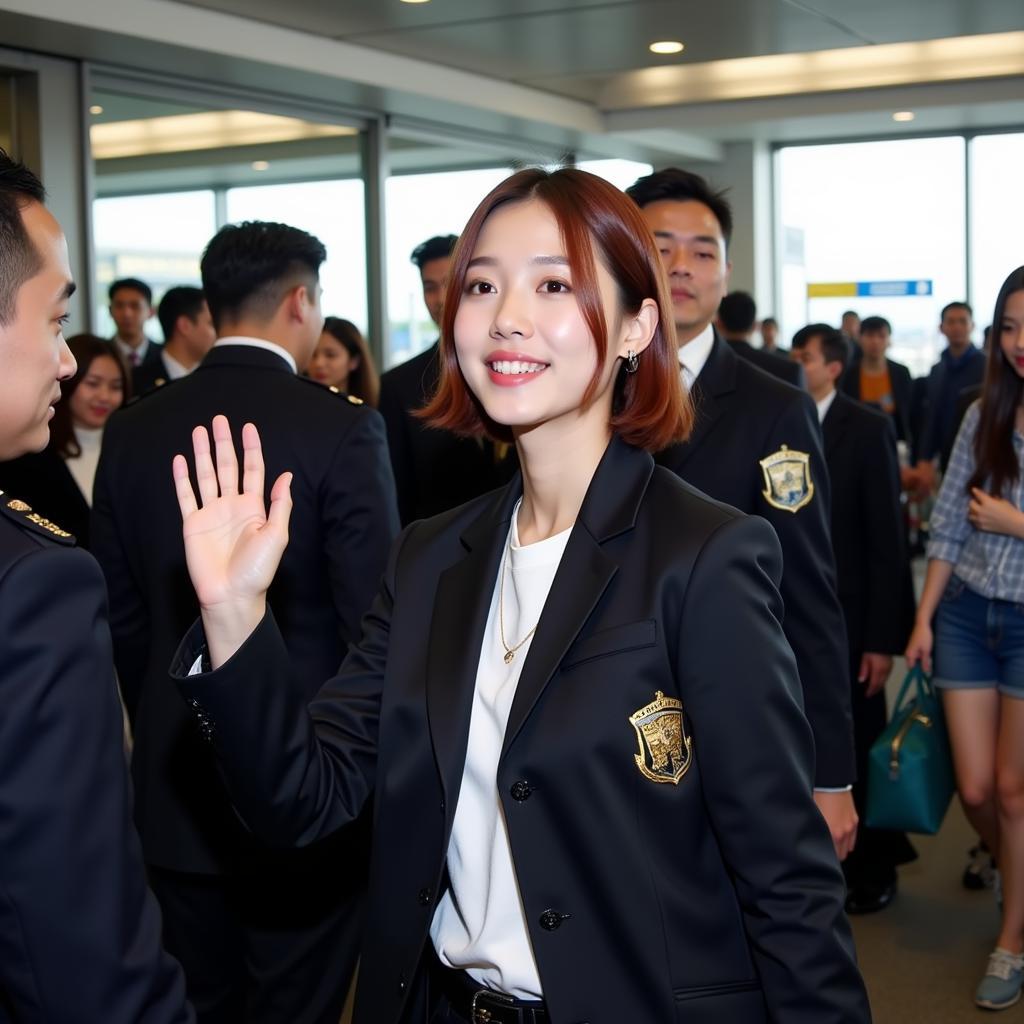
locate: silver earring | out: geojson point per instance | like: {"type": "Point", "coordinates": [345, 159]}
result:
{"type": "Point", "coordinates": [632, 361]}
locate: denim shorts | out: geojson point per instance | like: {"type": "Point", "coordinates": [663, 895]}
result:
{"type": "Point", "coordinates": [979, 642]}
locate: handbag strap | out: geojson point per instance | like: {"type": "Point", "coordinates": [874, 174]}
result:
{"type": "Point", "coordinates": [923, 688]}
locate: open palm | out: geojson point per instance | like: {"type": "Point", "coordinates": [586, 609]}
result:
{"type": "Point", "coordinates": [232, 545]}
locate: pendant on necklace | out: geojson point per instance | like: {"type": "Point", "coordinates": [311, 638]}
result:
{"type": "Point", "coordinates": [509, 655]}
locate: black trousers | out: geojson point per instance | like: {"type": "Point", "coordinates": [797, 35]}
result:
{"type": "Point", "coordinates": [274, 942]}
{"type": "Point", "coordinates": [878, 851]}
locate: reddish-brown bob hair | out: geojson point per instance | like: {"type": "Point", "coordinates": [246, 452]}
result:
{"type": "Point", "coordinates": [650, 410]}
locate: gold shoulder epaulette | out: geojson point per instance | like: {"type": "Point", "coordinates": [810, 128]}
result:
{"type": "Point", "coordinates": [22, 514]}
{"type": "Point", "coordinates": [351, 399]}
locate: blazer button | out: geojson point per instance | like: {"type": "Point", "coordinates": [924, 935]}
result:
{"type": "Point", "coordinates": [520, 791]}
{"type": "Point", "coordinates": [551, 920]}
{"type": "Point", "coordinates": [401, 983]}
{"type": "Point", "coordinates": [424, 897]}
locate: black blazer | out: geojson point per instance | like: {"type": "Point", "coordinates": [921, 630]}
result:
{"type": "Point", "coordinates": [714, 899]}
{"type": "Point", "coordinates": [434, 470]}
{"type": "Point", "coordinates": [151, 373]}
{"type": "Point", "coordinates": [44, 481]}
{"type": "Point", "coordinates": [343, 523]}
{"type": "Point", "coordinates": [79, 930]}
{"type": "Point", "coordinates": [743, 417]}
{"type": "Point", "coordinates": [777, 365]}
{"type": "Point", "coordinates": [902, 395]}
{"type": "Point", "coordinates": [872, 569]}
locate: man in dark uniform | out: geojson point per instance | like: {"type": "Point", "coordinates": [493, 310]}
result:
{"type": "Point", "coordinates": [131, 305]}
{"type": "Point", "coordinates": [265, 937]}
{"type": "Point", "coordinates": [79, 931]}
{"type": "Point", "coordinates": [757, 445]}
{"type": "Point", "coordinates": [188, 335]}
{"type": "Point", "coordinates": [875, 587]}
{"type": "Point", "coordinates": [434, 470]}
{"type": "Point", "coordinates": [736, 320]}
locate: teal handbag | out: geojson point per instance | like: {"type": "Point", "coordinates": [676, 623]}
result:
{"type": "Point", "coordinates": [910, 770]}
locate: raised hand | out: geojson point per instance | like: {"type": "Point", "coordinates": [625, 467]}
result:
{"type": "Point", "coordinates": [232, 545]}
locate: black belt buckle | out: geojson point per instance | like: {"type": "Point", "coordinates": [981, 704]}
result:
{"type": "Point", "coordinates": [480, 1014]}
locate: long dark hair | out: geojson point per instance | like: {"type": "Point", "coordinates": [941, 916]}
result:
{"type": "Point", "coordinates": [363, 381]}
{"type": "Point", "coordinates": [86, 348]}
{"type": "Point", "coordinates": [995, 461]}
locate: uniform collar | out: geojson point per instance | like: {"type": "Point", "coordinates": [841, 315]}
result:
{"type": "Point", "coordinates": [269, 346]}
{"type": "Point", "coordinates": [694, 354]}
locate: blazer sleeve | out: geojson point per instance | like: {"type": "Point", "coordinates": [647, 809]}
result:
{"type": "Point", "coordinates": [887, 565]}
{"type": "Point", "coordinates": [399, 447]}
{"type": "Point", "coordinates": [79, 930]}
{"type": "Point", "coordinates": [756, 756]}
{"type": "Point", "coordinates": [294, 774]}
{"type": "Point", "coordinates": [814, 621]}
{"type": "Point", "coordinates": [360, 519]}
{"type": "Point", "coordinates": [130, 625]}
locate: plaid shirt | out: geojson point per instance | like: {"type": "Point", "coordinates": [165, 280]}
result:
{"type": "Point", "coordinates": [991, 564]}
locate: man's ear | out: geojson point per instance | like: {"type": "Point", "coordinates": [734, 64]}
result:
{"type": "Point", "coordinates": [639, 328]}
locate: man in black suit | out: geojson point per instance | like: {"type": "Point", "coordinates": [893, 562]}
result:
{"type": "Point", "coordinates": [79, 931]}
{"type": "Point", "coordinates": [263, 936]}
{"type": "Point", "coordinates": [434, 470]}
{"type": "Point", "coordinates": [878, 380]}
{"type": "Point", "coordinates": [188, 335]}
{"type": "Point", "coordinates": [736, 319]}
{"type": "Point", "coordinates": [757, 445]}
{"type": "Point", "coordinates": [875, 588]}
{"type": "Point", "coordinates": [131, 305]}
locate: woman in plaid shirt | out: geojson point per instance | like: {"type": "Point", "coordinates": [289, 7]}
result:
{"type": "Point", "coordinates": [973, 599]}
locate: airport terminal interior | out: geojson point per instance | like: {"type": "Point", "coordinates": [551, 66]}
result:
{"type": "Point", "coordinates": [872, 151]}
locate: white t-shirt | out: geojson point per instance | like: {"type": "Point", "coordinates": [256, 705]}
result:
{"type": "Point", "coordinates": [479, 925]}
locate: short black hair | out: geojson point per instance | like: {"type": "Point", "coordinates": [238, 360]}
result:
{"type": "Point", "coordinates": [765, 321]}
{"type": "Point", "coordinates": [180, 301]}
{"type": "Point", "coordinates": [19, 258]}
{"type": "Point", "coordinates": [135, 285]}
{"type": "Point", "coordinates": [850, 312]}
{"type": "Point", "coordinates": [247, 268]}
{"type": "Point", "coordinates": [834, 347]}
{"type": "Point", "coordinates": [737, 312]}
{"type": "Point", "coordinates": [437, 248]}
{"type": "Point", "coordinates": [956, 305]}
{"type": "Point", "coordinates": [875, 324]}
{"type": "Point", "coordinates": [679, 185]}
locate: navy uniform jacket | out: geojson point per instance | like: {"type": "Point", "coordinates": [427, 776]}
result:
{"type": "Point", "coordinates": [343, 524]}
{"type": "Point", "coordinates": [79, 931]}
{"type": "Point", "coordinates": [660, 882]}
{"type": "Point", "coordinates": [434, 469]}
{"type": "Point", "coordinates": [44, 481]}
{"type": "Point", "coordinates": [744, 417]}
{"type": "Point", "coordinates": [151, 373]}
{"type": "Point", "coordinates": [778, 366]}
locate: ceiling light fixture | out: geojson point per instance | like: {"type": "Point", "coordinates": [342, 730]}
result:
{"type": "Point", "coordinates": [667, 46]}
{"type": "Point", "coordinates": [415, 1]}
{"type": "Point", "coordinates": [95, 109]}
{"type": "Point", "coordinates": [260, 165]}
{"type": "Point", "coordinates": [903, 115]}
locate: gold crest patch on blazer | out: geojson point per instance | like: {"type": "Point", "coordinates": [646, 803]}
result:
{"type": "Point", "coordinates": [787, 479]}
{"type": "Point", "coordinates": [665, 748]}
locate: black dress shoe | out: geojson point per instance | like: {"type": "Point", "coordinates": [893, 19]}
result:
{"type": "Point", "coordinates": [870, 897]}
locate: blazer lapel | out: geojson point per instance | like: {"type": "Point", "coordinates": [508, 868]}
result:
{"type": "Point", "coordinates": [609, 508]}
{"type": "Point", "coordinates": [716, 380]}
{"type": "Point", "coordinates": [832, 427]}
{"type": "Point", "coordinates": [461, 604]}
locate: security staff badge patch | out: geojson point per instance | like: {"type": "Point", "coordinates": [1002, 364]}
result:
{"type": "Point", "coordinates": [665, 748]}
{"type": "Point", "coordinates": [787, 480]}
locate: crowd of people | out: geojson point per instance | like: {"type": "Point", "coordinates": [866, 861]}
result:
{"type": "Point", "coordinates": [614, 590]}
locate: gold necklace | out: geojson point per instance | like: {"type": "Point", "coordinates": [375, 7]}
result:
{"type": "Point", "coordinates": [510, 652]}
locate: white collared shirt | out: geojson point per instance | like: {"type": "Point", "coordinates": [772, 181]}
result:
{"type": "Point", "coordinates": [132, 356]}
{"type": "Point", "coordinates": [694, 354]}
{"type": "Point", "coordinates": [239, 339]}
{"type": "Point", "coordinates": [175, 370]}
{"type": "Point", "coordinates": [479, 925]}
{"type": "Point", "coordinates": [825, 404]}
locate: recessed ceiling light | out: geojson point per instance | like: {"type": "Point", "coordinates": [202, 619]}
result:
{"type": "Point", "coordinates": [415, 1]}
{"type": "Point", "coordinates": [667, 46]}
{"type": "Point", "coordinates": [95, 109]}
{"type": "Point", "coordinates": [903, 115]}
{"type": "Point", "coordinates": [260, 165]}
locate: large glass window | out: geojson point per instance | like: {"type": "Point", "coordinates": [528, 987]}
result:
{"type": "Point", "coordinates": [997, 217]}
{"type": "Point", "coordinates": [878, 227]}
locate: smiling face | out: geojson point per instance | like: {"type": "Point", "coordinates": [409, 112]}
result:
{"type": "Point", "coordinates": [33, 355]}
{"type": "Point", "coordinates": [1011, 331]}
{"type": "Point", "coordinates": [522, 342]}
{"type": "Point", "coordinates": [99, 393]}
{"type": "Point", "coordinates": [692, 250]}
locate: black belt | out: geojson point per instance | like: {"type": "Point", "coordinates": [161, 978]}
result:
{"type": "Point", "coordinates": [479, 1005]}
